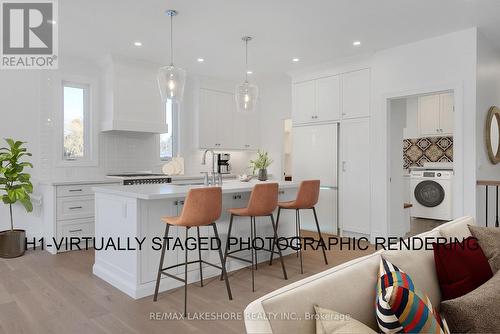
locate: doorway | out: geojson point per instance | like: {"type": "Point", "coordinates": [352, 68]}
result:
{"type": "Point", "coordinates": [421, 131]}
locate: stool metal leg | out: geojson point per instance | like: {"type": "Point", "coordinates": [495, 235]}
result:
{"type": "Point", "coordinates": [186, 276]}
{"type": "Point", "coordinates": [199, 255]}
{"type": "Point", "coordinates": [251, 251]}
{"type": "Point", "coordinates": [279, 250]}
{"type": "Point", "coordinates": [274, 242]}
{"type": "Point", "coordinates": [160, 266]}
{"type": "Point", "coordinates": [227, 244]}
{"type": "Point", "coordinates": [224, 272]}
{"type": "Point", "coordinates": [297, 228]}
{"type": "Point", "coordinates": [300, 241]}
{"type": "Point", "coordinates": [255, 236]}
{"type": "Point", "coordinates": [319, 233]}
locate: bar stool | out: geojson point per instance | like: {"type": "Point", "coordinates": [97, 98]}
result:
{"type": "Point", "coordinates": [263, 201]}
{"type": "Point", "coordinates": [306, 199]}
{"type": "Point", "coordinates": [202, 207]}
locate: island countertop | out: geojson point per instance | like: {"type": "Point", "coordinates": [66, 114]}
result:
{"type": "Point", "coordinates": [164, 191]}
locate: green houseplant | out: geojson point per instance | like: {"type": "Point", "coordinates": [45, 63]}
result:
{"type": "Point", "coordinates": [15, 186]}
{"type": "Point", "coordinates": [261, 163]}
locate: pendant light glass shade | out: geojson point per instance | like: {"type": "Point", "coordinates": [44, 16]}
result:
{"type": "Point", "coordinates": [246, 94]}
{"type": "Point", "coordinates": [171, 79]}
{"type": "Point", "coordinates": [246, 97]}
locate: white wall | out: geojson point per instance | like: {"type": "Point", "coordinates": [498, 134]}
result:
{"type": "Point", "coordinates": [440, 63]}
{"type": "Point", "coordinates": [488, 94]}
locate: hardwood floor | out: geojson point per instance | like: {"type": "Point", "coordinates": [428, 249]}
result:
{"type": "Point", "coordinates": [44, 293]}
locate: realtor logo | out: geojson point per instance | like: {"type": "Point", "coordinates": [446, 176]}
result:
{"type": "Point", "coordinates": [29, 34]}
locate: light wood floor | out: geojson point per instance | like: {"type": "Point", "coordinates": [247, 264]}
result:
{"type": "Point", "coordinates": [43, 293]}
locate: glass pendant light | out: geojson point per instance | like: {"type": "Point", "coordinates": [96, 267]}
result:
{"type": "Point", "coordinates": [246, 93]}
{"type": "Point", "coordinates": [171, 79]}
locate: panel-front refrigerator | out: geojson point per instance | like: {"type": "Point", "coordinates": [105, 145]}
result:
{"type": "Point", "coordinates": [314, 156]}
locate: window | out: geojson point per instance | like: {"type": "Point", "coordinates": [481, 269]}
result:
{"type": "Point", "coordinates": [168, 140]}
{"type": "Point", "coordinates": [76, 125]}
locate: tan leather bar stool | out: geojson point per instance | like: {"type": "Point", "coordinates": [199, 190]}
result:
{"type": "Point", "coordinates": [202, 207]}
{"type": "Point", "coordinates": [306, 199]}
{"type": "Point", "coordinates": [263, 201]}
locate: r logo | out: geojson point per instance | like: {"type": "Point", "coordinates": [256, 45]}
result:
{"type": "Point", "coordinates": [27, 28]}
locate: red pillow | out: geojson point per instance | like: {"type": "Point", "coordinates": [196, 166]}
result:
{"type": "Point", "coordinates": [461, 267]}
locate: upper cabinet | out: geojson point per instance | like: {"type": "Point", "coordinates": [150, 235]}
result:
{"type": "Point", "coordinates": [220, 126]}
{"type": "Point", "coordinates": [356, 94]}
{"type": "Point", "coordinates": [132, 100]}
{"type": "Point", "coordinates": [332, 98]}
{"type": "Point", "coordinates": [317, 100]}
{"type": "Point", "coordinates": [435, 115]}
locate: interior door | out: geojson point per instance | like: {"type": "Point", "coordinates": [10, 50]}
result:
{"type": "Point", "coordinates": [428, 115]}
{"type": "Point", "coordinates": [355, 172]}
{"type": "Point", "coordinates": [315, 157]}
{"type": "Point", "coordinates": [446, 112]}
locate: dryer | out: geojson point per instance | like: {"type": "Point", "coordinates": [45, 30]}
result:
{"type": "Point", "coordinates": [431, 194]}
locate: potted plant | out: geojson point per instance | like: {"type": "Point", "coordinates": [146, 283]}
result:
{"type": "Point", "coordinates": [15, 186]}
{"type": "Point", "coordinates": [261, 163]}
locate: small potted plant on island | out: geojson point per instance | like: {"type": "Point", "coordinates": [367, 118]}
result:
{"type": "Point", "coordinates": [15, 186]}
{"type": "Point", "coordinates": [261, 163]}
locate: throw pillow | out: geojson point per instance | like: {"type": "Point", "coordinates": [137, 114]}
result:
{"type": "Point", "coordinates": [489, 240]}
{"type": "Point", "coordinates": [461, 267]}
{"type": "Point", "coordinates": [331, 322]}
{"type": "Point", "coordinates": [401, 307]}
{"type": "Point", "coordinates": [475, 312]}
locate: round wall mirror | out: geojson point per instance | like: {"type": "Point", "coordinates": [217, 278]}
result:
{"type": "Point", "coordinates": [492, 134]}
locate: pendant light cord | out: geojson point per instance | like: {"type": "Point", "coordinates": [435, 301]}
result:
{"type": "Point", "coordinates": [171, 40]}
{"type": "Point", "coordinates": [246, 60]}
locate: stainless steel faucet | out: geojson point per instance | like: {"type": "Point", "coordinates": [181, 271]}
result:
{"type": "Point", "coordinates": [214, 177]}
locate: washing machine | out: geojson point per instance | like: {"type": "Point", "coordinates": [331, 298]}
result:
{"type": "Point", "coordinates": [431, 194]}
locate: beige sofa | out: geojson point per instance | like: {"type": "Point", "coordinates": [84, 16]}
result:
{"type": "Point", "coordinates": [348, 288]}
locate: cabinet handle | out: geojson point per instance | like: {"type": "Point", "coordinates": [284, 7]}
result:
{"type": "Point", "coordinates": [182, 202]}
{"type": "Point", "coordinates": [73, 190]}
{"type": "Point", "coordinates": [75, 207]}
{"type": "Point", "coordinates": [246, 145]}
{"type": "Point", "coordinates": [281, 192]}
{"type": "Point", "coordinates": [73, 231]}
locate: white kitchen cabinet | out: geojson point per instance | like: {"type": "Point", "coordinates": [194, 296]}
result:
{"type": "Point", "coordinates": [132, 101]}
{"type": "Point", "coordinates": [355, 176]}
{"type": "Point", "coordinates": [435, 115]}
{"type": "Point", "coordinates": [356, 94]}
{"type": "Point", "coordinates": [315, 157]}
{"type": "Point", "coordinates": [221, 127]}
{"type": "Point", "coordinates": [317, 100]}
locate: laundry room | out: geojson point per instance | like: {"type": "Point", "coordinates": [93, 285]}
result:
{"type": "Point", "coordinates": [421, 165]}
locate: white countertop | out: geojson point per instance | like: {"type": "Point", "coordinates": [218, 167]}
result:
{"type": "Point", "coordinates": [163, 191]}
{"type": "Point", "coordinates": [63, 182]}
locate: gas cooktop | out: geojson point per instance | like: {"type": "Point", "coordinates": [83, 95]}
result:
{"type": "Point", "coordinates": [135, 174]}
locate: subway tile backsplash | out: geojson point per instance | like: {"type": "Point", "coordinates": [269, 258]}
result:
{"type": "Point", "coordinates": [417, 151]}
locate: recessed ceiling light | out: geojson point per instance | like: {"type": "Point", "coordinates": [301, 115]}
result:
{"type": "Point", "coordinates": [295, 60]}
{"type": "Point", "coordinates": [249, 72]}
{"type": "Point", "coordinates": [138, 43]}
{"type": "Point", "coordinates": [51, 21]}
{"type": "Point", "coordinates": [356, 43]}
{"type": "Point", "coordinates": [200, 60]}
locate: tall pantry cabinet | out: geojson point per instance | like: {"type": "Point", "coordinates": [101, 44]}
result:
{"type": "Point", "coordinates": [331, 131]}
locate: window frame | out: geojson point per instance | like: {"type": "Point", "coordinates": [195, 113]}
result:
{"type": "Point", "coordinates": [89, 133]}
{"type": "Point", "coordinates": [174, 127]}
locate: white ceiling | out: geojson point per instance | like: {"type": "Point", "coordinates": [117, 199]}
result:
{"type": "Point", "coordinates": [313, 30]}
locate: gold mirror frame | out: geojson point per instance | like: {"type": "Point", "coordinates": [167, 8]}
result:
{"type": "Point", "coordinates": [494, 112]}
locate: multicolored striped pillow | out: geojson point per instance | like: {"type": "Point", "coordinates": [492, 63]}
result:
{"type": "Point", "coordinates": [401, 308]}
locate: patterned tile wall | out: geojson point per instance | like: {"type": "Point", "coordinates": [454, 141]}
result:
{"type": "Point", "coordinates": [416, 151]}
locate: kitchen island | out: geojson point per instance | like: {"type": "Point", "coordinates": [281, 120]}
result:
{"type": "Point", "coordinates": [128, 228]}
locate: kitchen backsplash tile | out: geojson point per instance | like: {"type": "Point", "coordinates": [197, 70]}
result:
{"type": "Point", "coordinates": [417, 151]}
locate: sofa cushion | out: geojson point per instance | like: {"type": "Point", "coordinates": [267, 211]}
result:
{"type": "Point", "coordinates": [347, 288]}
{"type": "Point", "coordinates": [456, 228]}
{"type": "Point", "coordinates": [419, 264]}
{"type": "Point", "coordinates": [401, 307]}
{"type": "Point", "coordinates": [475, 312]}
{"type": "Point", "coordinates": [331, 322]}
{"type": "Point", "coordinates": [489, 239]}
{"type": "Point", "coordinates": [461, 267]}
